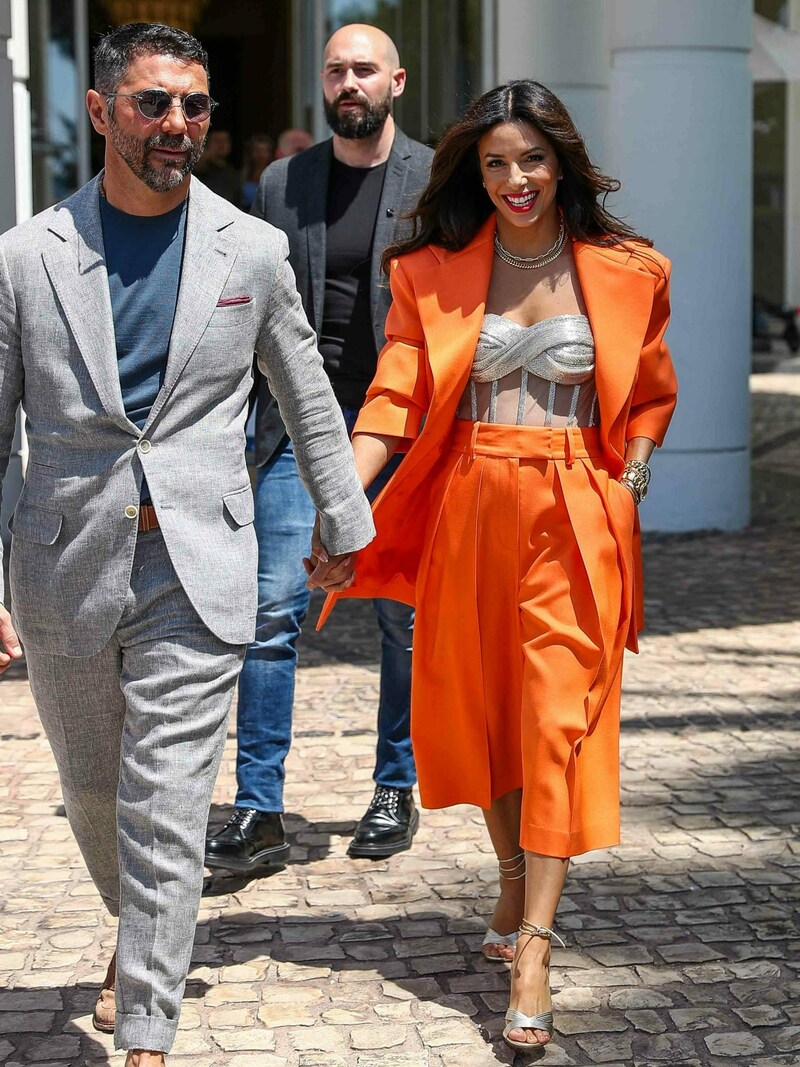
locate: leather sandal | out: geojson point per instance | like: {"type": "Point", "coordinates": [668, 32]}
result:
{"type": "Point", "coordinates": [105, 1010]}
{"type": "Point", "coordinates": [517, 1020]}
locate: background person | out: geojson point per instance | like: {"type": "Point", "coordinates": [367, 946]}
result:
{"type": "Point", "coordinates": [114, 308]}
{"type": "Point", "coordinates": [292, 142]}
{"type": "Point", "coordinates": [527, 330]}
{"type": "Point", "coordinates": [214, 169]}
{"type": "Point", "coordinates": [259, 151]}
{"type": "Point", "coordinates": [339, 204]}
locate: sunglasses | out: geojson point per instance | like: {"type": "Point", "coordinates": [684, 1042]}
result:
{"type": "Point", "coordinates": [157, 103]}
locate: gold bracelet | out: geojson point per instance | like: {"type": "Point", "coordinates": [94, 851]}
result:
{"type": "Point", "coordinates": [636, 477]}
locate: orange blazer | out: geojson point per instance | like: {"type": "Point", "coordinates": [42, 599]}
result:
{"type": "Point", "coordinates": [439, 299]}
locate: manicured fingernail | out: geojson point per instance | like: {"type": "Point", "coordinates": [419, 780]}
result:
{"type": "Point", "coordinates": [322, 556]}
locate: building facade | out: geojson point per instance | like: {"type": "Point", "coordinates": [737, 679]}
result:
{"type": "Point", "coordinates": [660, 89]}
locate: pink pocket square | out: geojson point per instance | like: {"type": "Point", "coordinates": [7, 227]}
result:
{"type": "Point", "coordinates": [232, 301]}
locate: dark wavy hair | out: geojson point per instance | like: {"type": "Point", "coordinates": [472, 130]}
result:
{"type": "Point", "coordinates": [454, 204]}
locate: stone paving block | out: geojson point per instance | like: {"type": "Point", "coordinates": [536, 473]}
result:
{"type": "Point", "coordinates": [648, 1021]}
{"type": "Point", "coordinates": [24, 1022]}
{"type": "Point", "coordinates": [318, 1039]}
{"type": "Point", "coordinates": [638, 998]}
{"type": "Point", "coordinates": [377, 1036]}
{"type": "Point", "coordinates": [761, 1015]}
{"type": "Point", "coordinates": [595, 1022]}
{"type": "Point", "coordinates": [734, 1044]}
{"type": "Point", "coordinates": [249, 1040]}
{"type": "Point", "coordinates": [786, 1040]}
{"type": "Point", "coordinates": [63, 1048]}
{"type": "Point", "coordinates": [605, 1048]}
{"type": "Point", "coordinates": [666, 1048]}
{"type": "Point", "coordinates": [398, 1011]}
{"type": "Point", "coordinates": [260, 1059]}
{"type": "Point", "coordinates": [392, 1060]}
{"type": "Point", "coordinates": [447, 1032]}
{"type": "Point", "coordinates": [696, 1018]}
{"type": "Point", "coordinates": [34, 1000]}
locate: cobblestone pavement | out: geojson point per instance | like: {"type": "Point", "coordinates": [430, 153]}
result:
{"type": "Point", "coordinates": [682, 944]}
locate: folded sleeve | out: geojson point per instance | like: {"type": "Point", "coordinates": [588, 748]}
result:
{"type": "Point", "coordinates": [656, 390]}
{"type": "Point", "coordinates": [288, 356]}
{"type": "Point", "coordinates": [399, 395]}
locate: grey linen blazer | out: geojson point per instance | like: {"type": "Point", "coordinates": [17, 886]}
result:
{"type": "Point", "coordinates": [74, 527]}
{"type": "Point", "coordinates": [293, 195]}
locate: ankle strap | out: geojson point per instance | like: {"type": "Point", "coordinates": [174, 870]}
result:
{"type": "Point", "coordinates": [534, 930]}
{"type": "Point", "coordinates": [509, 867]}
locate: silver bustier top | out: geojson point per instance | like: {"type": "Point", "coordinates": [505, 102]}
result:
{"type": "Point", "coordinates": [547, 369]}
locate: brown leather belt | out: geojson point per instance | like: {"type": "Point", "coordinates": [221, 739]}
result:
{"type": "Point", "coordinates": [148, 520]}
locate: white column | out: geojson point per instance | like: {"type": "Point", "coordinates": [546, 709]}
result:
{"type": "Point", "coordinates": [681, 143]}
{"type": "Point", "coordinates": [563, 45]}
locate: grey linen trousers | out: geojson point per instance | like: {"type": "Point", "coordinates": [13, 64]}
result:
{"type": "Point", "coordinates": [137, 731]}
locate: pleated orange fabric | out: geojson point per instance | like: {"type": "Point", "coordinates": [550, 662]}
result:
{"type": "Point", "coordinates": [523, 605]}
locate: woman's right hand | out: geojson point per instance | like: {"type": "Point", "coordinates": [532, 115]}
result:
{"type": "Point", "coordinates": [333, 573]}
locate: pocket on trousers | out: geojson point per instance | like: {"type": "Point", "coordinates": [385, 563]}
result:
{"type": "Point", "coordinates": [240, 506]}
{"type": "Point", "coordinates": [39, 525]}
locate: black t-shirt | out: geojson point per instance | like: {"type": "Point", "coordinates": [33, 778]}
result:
{"type": "Point", "coordinates": [347, 342]}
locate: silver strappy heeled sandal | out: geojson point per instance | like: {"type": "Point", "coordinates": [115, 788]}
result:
{"type": "Point", "coordinates": [517, 1020]}
{"type": "Point", "coordinates": [509, 870]}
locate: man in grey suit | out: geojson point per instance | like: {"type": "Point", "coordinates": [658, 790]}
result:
{"type": "Point", "coordinates": [341, 204]}
{"type": "Point", "coordinates": [129, 315]}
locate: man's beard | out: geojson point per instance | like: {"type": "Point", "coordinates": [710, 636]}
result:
{"type": "Point", "coordinates": [136, 153]}
{"type": "Point", "coordinates": [357, 125]}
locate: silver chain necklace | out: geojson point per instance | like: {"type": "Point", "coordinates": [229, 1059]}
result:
{"type": "Point", "coordinates": [532, 262]}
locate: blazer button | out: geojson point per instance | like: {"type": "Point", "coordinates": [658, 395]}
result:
{"type": "Point", "coordinates": [131, 512]}
{"type": "Point", "coordinates": [144, 445]}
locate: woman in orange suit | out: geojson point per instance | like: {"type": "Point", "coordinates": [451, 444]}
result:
{"type": "Point", "coordinates": [527, 377]}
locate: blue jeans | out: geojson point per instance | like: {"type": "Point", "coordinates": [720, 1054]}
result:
{"type": "Point", "coordinates": [284, 520]}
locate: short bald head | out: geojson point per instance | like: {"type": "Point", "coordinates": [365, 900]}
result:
{"type": "Point", "coordinates": [361, 77]}
{"type": "Point", "coordinates": [370, 40]}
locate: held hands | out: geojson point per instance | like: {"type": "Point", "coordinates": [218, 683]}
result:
{"type": "Point", "coordinates": [8, 641]}
{"type": "Point", "coordinates": [326, 571]}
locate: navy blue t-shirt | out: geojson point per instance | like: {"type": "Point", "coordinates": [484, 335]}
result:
{"type": "Point", "coordinates": [143, 257]}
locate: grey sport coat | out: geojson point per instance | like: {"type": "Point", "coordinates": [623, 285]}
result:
{"type": "Point", "coordinates": [74, 527]}
{"type": "Point", "coordinates": [293, 195]}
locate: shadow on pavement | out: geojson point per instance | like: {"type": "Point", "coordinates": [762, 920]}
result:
{"type": "Point", "coordinates": [699, 942]}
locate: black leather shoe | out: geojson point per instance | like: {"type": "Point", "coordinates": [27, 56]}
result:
{"type": "Point", "coordinates": [248, 839]}
{"type": "Point", "coordinates": [388, 825]}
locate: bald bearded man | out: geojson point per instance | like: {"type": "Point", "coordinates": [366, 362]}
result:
{"type": "Point", "coordinates": [341, 204]}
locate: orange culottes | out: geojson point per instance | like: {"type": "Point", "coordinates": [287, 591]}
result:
{"type": "Point", "coordinates": [523, 607]}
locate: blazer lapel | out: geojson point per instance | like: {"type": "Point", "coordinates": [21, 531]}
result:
{"type": "Point", "coordinates": [389, 210]}
{"type": "Point", "coordinates": [75, 264]}
{"type": "Point", "coordinates": [208, 256]}
{"type": "Point", "coordinates": [316, 206]}
{"type": "Point", "coordinates": [619, 301]}
{"type": "Point", "coordinates": [452, 301]}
